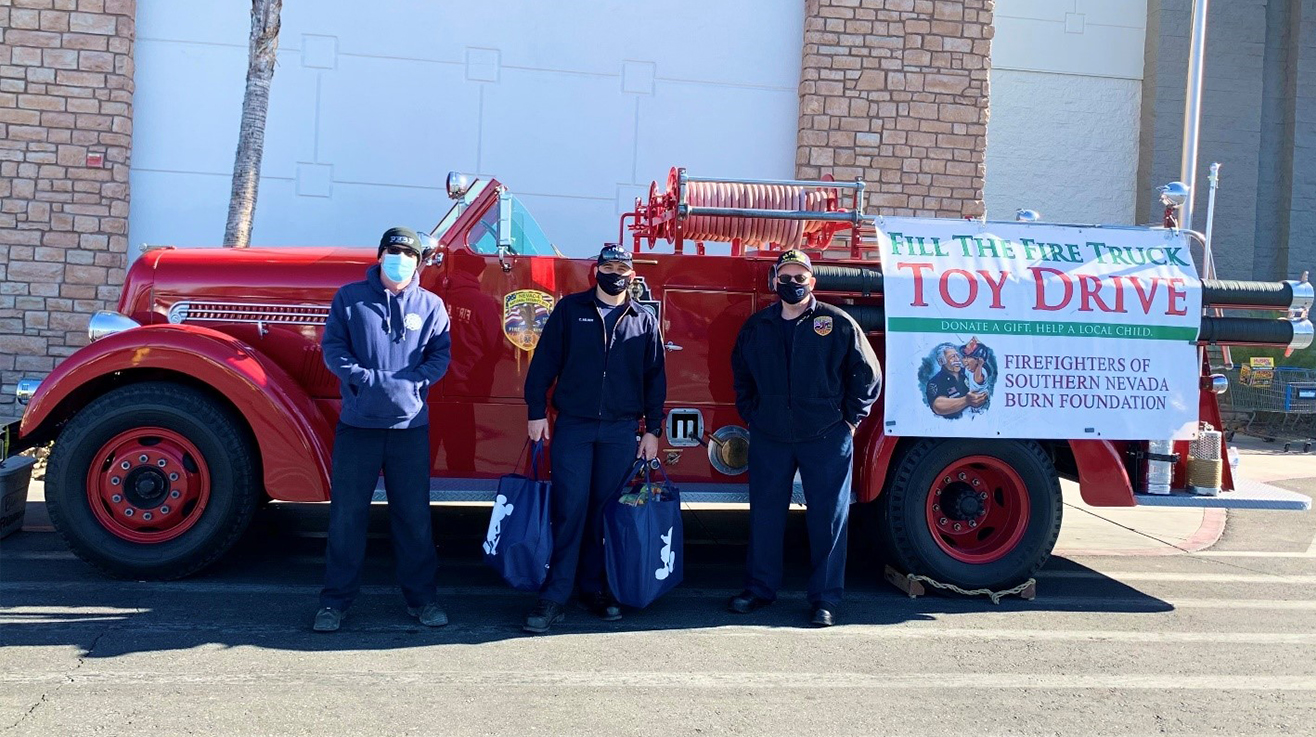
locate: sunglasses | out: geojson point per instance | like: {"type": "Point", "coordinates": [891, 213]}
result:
{"type": "Point", "coordinates": [797, 278]}
{"type": "Point", "coordinates": [399, 251]}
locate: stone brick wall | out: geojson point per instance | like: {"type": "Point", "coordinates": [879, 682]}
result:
{"type": "Point", "coordinates": [66, 84]}
{"type": "Point", "coordinates": [896, 92]}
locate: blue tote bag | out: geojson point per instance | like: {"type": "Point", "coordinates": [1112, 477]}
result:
{"type": "Point", "coordinates": [519, 542]}
{"type": "Point", "coordinates": [643, 540]}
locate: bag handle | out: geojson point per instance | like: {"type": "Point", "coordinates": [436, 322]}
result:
{"type": "Point", "coordinates": [536, 455]}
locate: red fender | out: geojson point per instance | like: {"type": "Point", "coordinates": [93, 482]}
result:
{"type": "Point", "coordinates": [872, 464]}
{"type": "Point", "coordinates": [1102, 480]}
{"type": "Point", "coordinates": [292, 435]}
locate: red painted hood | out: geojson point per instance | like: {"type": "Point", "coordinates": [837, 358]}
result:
{"type": "Point", "coordinates": [282, 275]}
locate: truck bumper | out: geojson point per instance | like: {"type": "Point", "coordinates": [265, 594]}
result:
{"type": "Point", "coordinates": [1247, 494]}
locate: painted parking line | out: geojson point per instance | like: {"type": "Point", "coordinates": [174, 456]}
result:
{"type": "Point", "coordinates": [48, 618]}
{"type": "Point", "coordinates": [1163, 577]}
{"type": "Point", "coordinates": [1254, 554]}
{"type": "Point", "coordinates": [628, 681]}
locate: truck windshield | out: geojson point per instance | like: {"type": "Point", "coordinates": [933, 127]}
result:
{"type": "Point", "coordinates": [457, 208]}
{"type": "Point", "coordinates": [528, 239]}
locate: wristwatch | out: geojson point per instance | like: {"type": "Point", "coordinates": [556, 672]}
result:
{"type": "Point", "coordinates": [657, 432]}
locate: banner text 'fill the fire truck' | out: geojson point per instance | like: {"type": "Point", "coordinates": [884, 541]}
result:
{"type": "Point", "coordinates": [1039, 331]}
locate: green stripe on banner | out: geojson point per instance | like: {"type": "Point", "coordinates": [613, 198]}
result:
{"type": "Point", "coordinates": [1040, 327]}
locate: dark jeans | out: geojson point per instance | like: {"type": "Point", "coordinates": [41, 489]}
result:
{"type": "Point", "coordinates": [825, 467]}
{"type": "Point", "coordinates": [404, 456]}
{"type": "Point", "coordinates": [590, 460]}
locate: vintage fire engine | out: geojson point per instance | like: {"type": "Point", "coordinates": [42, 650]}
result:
{"type": "Point", "coordinates": [206, 393]}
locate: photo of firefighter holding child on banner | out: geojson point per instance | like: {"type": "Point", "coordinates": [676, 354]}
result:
{"type": "Point", "coordinates": [957, 379]}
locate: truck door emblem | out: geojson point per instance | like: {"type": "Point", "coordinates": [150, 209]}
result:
{"type": "Point", "coordinates": [685, 428]}
{"type": "Point", "coordinates": [524, 313]}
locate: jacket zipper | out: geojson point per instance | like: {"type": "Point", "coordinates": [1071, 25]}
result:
{"type": "Point", "coordinates": [607, 348]}
{"type": "Point", "coordinates": [790, 366]}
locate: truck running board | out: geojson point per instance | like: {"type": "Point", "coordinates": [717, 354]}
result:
{"type": "Point", "coordinates": [1248, 495]}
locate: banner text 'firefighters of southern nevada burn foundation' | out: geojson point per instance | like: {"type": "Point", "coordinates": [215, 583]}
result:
{"type": "Point", "coordinates": [1039, 331]}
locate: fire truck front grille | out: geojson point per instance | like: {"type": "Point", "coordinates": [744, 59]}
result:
{"type": "Point", "coordinates": [245, 312]}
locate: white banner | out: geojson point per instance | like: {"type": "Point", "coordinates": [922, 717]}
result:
{"type": "Point", "coordinates": [1005, 330]}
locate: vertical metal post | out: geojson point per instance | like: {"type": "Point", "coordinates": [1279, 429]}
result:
{"type": "Point", "coordinates": [1192, 113]}
{"type": "Point", "coordinates": [1208, 256]}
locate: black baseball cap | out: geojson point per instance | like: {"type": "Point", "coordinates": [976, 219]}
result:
{"type": "Point", "coordinates": [614, 252]}
{"type": "Point", "coordinates": [401, 237]}
{"type": "Point", "coordinates": [795, 256]}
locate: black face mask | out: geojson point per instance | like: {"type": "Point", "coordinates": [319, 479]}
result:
{"type": "Point", "coordinates": [613, 284]}
{"type": "Point", "coordinates": [792, 293]}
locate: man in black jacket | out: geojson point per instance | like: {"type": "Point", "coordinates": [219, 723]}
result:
{"type": "Point", "coordinates": [605, 356]}
{"type": "Point", "coordinates": [805, 376]}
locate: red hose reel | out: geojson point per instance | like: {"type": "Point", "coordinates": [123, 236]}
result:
{"type": "Point", "coordinates": [747, 213]}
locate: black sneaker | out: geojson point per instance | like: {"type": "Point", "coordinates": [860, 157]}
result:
{"type": "Point", "coordinates": [824, 615]}
{"type": "Point", "coordinates": [746, 602]}
{"type": "Point", "coordinates": [328, 619]}
{"type": "Point", "coordinates": [545, 614]}
{"type": "Point", "coordinates": [602, 605]}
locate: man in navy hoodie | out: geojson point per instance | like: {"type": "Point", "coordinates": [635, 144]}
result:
{"type": "Point", "coordinates": [387, 341]}
{"type": "Point", "coordinates": [605, 356]}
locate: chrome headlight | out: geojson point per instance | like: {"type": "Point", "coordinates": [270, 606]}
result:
{"type": "Point", "coordinates": [27, 388]}
{"type": "Point", "coordinates": [108, 322]}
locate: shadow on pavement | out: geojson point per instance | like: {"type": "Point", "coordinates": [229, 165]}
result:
{"type": "Point", "coordinates": [263, 594]}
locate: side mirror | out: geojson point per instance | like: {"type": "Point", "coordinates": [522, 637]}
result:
{"type": "Point", "coordinates": [430, 252]}
{"type": "Point", "coordinates": [504, 229]}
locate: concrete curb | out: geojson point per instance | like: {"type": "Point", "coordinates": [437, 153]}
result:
{"type": "Point", "coordinates": [1206, 535]}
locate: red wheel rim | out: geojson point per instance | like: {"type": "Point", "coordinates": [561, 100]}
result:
{"type": "Point", "coordinates": [977, 509]}
{"type": "Point", "coordinates": [148, 485]}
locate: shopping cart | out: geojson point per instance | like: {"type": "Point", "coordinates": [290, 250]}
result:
{"type": "Point", "coordinates": [1283, 411]}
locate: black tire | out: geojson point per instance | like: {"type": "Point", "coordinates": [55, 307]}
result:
{"type": "Point", "coordinates": [235, 488]}
{"type": "Point", "coordinates": [908, 536]}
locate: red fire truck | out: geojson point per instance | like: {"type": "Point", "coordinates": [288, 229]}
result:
{"type": "Point", "coordinates": [206, 394]}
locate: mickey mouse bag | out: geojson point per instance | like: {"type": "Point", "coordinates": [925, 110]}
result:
{"type": "Point", "coordinates": [519, 542]}
{"type": "Point", "coordinates": [643, 539]}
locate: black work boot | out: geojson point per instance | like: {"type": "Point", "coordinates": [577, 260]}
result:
{"type": "Point", "coordinates": [746, 602]}
{"type": "Point", "coordinates": [824, 614]}
{"type": "Point", "coordinates": [328, 619]}
{"type": "Point", "coordinates": [545, 614]}
{"type": "Point", "coordinates": [602, 605]}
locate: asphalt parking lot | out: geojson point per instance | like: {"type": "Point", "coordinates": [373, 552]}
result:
{"type": "Point", "coordinates": [1146, 621]}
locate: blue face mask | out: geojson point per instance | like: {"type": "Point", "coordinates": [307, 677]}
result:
{"type": "Point", "coordinates": [398, 268]}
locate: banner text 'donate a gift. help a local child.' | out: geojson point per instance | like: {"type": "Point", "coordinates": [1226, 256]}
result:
{"type": "Point", "coordinates": [1039, 331]}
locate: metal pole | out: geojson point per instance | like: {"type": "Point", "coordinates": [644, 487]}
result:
{"type": "Point", "coordinates": [1193, 110]}
{"type": "Point", "coordinates": [1208, 257]}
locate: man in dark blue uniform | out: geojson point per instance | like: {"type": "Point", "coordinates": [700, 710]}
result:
{"type": "Point", "coordinates": [605, 357]}
{"type": "Point", "coordinates": [805, 376]}
{"type": "Point", "coordinates": [387, 341]}
{"type": "Point", "coordinates": [947, 391]}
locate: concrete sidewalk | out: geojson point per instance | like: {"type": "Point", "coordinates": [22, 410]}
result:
{"type": "Point", "coordinates": [1168, 530]}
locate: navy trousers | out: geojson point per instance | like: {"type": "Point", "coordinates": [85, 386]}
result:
{"type": "Point", "coordinates": [590, 461]}
{"type": "Point", "coordinates": [359, 454]}
{"type": "Point", "coordinates": [824, 464]}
